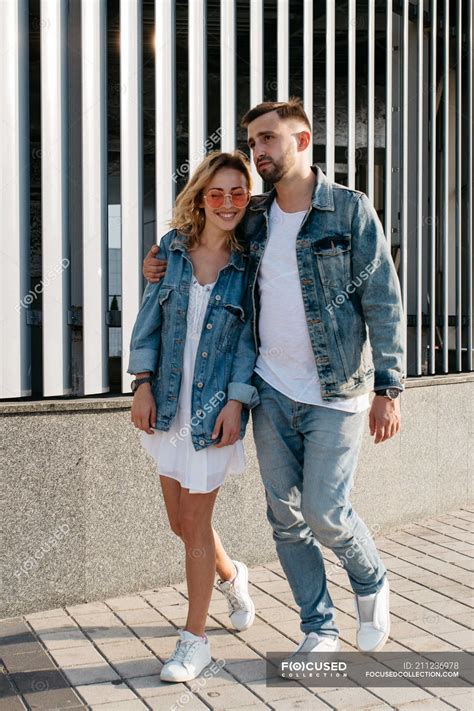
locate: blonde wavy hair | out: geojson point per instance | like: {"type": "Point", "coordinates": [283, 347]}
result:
{"type": "Point", "coordinates": [188, 218]}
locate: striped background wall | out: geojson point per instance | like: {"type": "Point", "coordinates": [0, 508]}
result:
{"type": "Point", "coordinates": [105, 107]}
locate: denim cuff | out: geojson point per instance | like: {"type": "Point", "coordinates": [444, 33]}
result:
{"type": "Point", "coordinates": [246, 394]}
{"type": "Point", "coordinates": [142, 360]}
{"type": "Point", "coordinates": [388, 379]}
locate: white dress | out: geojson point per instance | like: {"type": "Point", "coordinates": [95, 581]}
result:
{"type": "Point", "coordinates": [204, 470]}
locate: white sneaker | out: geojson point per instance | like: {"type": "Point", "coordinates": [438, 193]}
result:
{"type": "Point", "coordinates": [191, 655]}
{"type": "Point", "coordinates": [241, 607]}
{"type": "Point", "coordinates": [313, 642]}
{"type": "Point", "coordinates": [373, 619]}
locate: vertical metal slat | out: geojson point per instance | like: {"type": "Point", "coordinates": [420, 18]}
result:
{"type": "Point", "coordinates": [131, 171]}
{"type": "Point", "coordinates": [228, 74]}
{"type": "Point", "coordinates": [308, 66]}
{"type": "Point", "coordinates": [404, 158]}
{"type": "Point", "coordinates": [94, 196]}
{"type": "Point", "coordinates": [15, 362]}
{"type": "Point", "coordinates": [432, 190]}
{"type": "Point", "coordinates": [54, 186]}
{"type": "Point", "coordinates": [388, 123]}
{"type": "Point", "coordinates": [458, 185]}
{"type": "Point", "coordinates": [419, 190]}
{"type": "Point", "coordinates": [446, 180]}
{"type": "Point", "coordinates": [165, 117]}
{"type": "Point", "coordinates": [197, 82]}
{"type": "Point", "coordinates": [351, 97]}
{"type": "Point", "coordinates": [469, 195]}
{"type": "Point", "coordinates": [370, 101]}
{"type": "Point", "coordinates": [283, 50]}
{"type": "Point", "coordinates": [330, 89]}
{"type": "Point", "coordinates": [256, 71]}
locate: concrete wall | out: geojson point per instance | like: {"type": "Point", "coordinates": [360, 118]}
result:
{"type": "Point", "coordinates": [81, 512]}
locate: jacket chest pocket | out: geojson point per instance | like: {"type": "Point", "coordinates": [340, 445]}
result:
{"type": "Point", "coordinates": [233, 321]}
{"type": "Point", "coordinates": [333, 256]}
{"type": "Point", "coordinates": [167, 300]}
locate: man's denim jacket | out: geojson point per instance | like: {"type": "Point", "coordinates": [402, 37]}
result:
{"type": "Point", "coordinates": [349, 285]}
{"type": "Point", "coordinates": [226, 354]}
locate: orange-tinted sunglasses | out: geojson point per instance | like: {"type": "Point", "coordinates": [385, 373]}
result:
{"type": "Point", "coordinates": [240, 197]}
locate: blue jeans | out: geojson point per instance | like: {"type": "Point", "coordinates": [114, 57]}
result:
{"type": "Point", "coordinates": [307, 456]}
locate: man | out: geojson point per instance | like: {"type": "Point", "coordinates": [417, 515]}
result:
{"type": "Point", "coordinates": [322, 277]}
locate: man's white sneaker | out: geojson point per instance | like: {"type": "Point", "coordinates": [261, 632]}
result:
{"type": "Point", "coordinates": [313, 642]}
{"type": "Point", "coordinates": [239, 602]}
{"type": "Point", "coordinates": [191, 655]}
{"type": "Point", "coordinates": [373, 619]}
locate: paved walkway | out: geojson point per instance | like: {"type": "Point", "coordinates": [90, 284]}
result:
{"type": "Point", "coordinates": [107, 655]}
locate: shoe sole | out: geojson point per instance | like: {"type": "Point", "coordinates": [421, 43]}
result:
{"type": "Point", "coordinates": [187, 678]}
{"type": "Point", "coordinates": [252, 608]}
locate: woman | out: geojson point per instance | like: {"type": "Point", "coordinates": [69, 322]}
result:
{"type": "Point", "coordinates": [193, 354]}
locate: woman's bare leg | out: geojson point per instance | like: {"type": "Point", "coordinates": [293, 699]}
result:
{"type": "Point", "coordinates": [172, 492]}
{"type": "Point", "coordinates": [224, 566]}
{"type": "Point", "coordinates": [195, 516]}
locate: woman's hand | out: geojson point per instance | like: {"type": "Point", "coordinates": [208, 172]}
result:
{"type": "Point", "coordinates": [228, 421]}
{"type": "Point", "coordinates": [144, 409]}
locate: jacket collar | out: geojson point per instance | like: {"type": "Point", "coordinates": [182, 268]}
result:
{"type": "Point", "coordinates": [237, 259]}
{"type": "Point", "coordinates": [322, 194]}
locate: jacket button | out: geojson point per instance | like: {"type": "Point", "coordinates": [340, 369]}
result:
{"type": "Point", "coordinates": [218, 298]}
{"type": "Point", "coordinates": [204, 354]}
{"type": "Point", "coordinates": [209, 326]}
{"type": "Point", "coordinates": [200, 385]}
{"type": "Point", "coordinates": [202, 441]}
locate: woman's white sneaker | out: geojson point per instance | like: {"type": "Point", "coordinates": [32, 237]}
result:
{"type": "Point", "coordinates": [373, 619]}
{"type": "Point", "coordinates": [239, 602]}
{"type": "Point", "coordinates": [191, 655]}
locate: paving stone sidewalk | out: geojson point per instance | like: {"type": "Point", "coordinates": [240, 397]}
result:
{"type": "Point", "coordinates": [108, 655]}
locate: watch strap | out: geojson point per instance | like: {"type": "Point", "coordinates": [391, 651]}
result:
{"type": "Point", "coordinates": [139, 381]}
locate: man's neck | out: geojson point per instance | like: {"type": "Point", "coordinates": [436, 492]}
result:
{"type": "Point", "coordinates": [295, 192]}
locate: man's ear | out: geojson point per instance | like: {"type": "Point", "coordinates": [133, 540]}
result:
{"type": "Point", "coordinates": [304, 140]}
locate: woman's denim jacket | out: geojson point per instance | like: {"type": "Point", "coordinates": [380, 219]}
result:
{"type": "Point", "coordinates": [226, 354]}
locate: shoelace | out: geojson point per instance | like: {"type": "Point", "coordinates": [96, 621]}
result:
{"type": "Point", "coordinates": [183, 650]}
{"type": "Point", "coordinates": [233, 601]}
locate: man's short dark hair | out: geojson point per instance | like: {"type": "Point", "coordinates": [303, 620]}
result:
{"type": "Point", "coordinates": [293, 108]}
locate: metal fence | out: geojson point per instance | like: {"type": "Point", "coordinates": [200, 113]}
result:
{"type": "Point", "coordinates": [106, 107]}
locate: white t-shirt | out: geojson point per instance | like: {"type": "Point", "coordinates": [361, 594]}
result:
{"type": "Point", "coordinates": [286, 360]}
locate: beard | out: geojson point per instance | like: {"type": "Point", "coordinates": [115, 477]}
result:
{"type": "Point", "coordinates": [277, 169]}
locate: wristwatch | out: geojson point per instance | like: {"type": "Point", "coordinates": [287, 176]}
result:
{"type": "Point", "coordinates": [134, 385]}
{"type": "Point", "coordinates": [389, 393]}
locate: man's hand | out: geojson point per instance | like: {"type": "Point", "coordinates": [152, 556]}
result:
{"type": "Point", "coordinates": [384, 418]}
{"type": "Point", "coordinates": [228, 420]}
{"type": "Point", "coordinates": [144, 409]}
{"type": "Point", "coordinates": [153, 268]}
